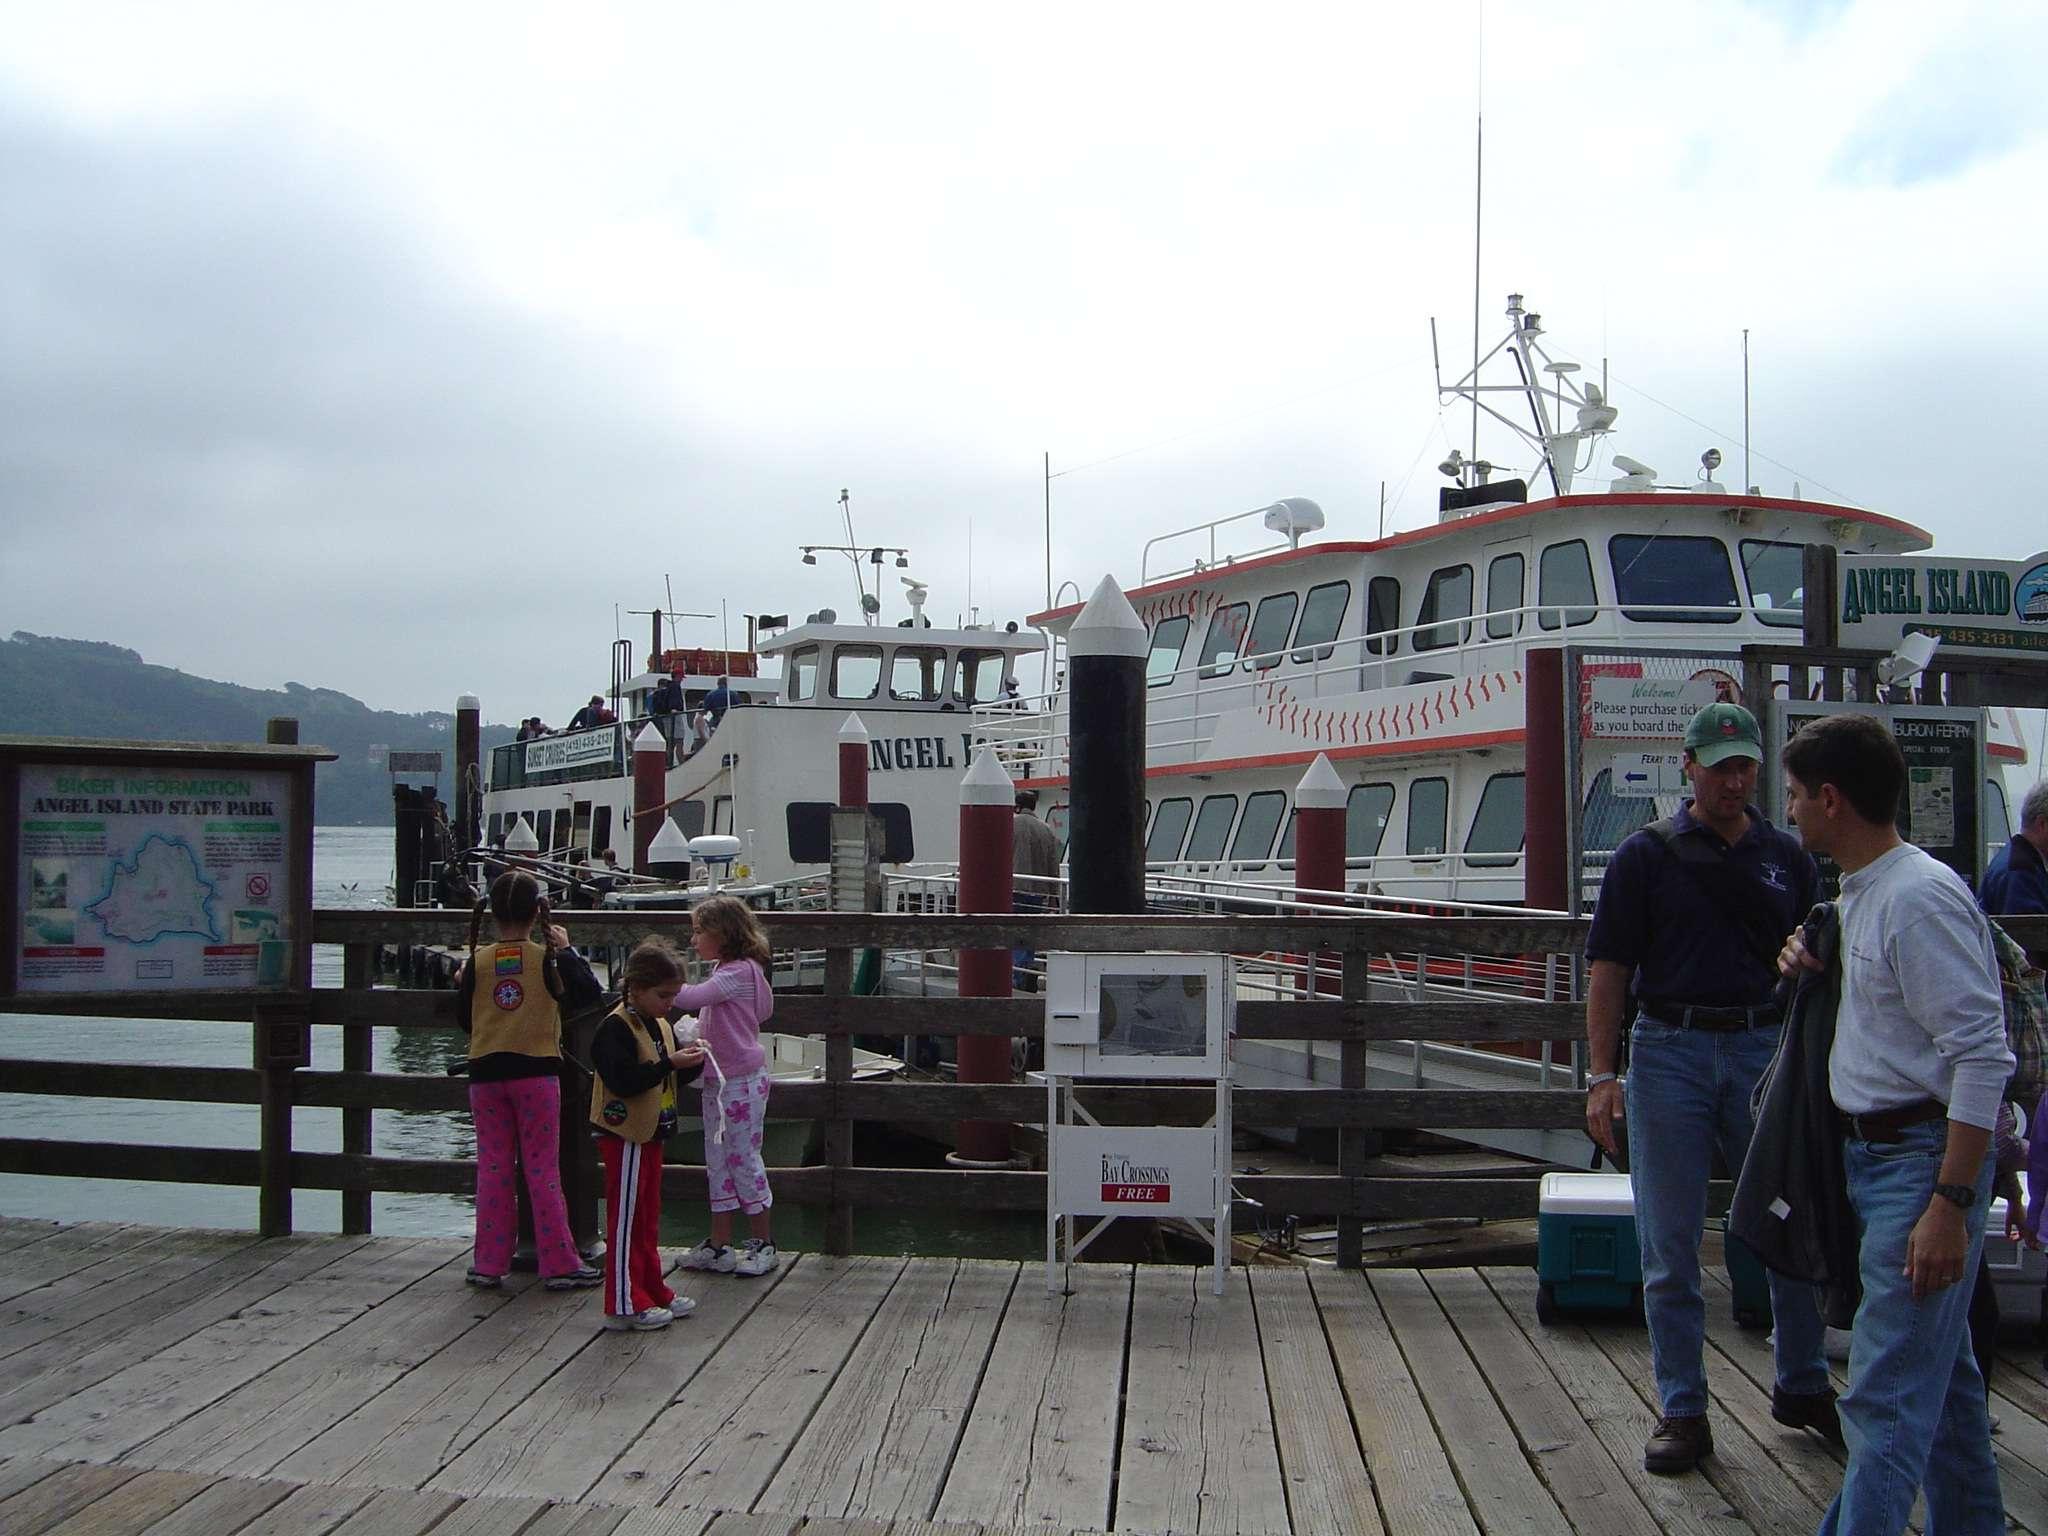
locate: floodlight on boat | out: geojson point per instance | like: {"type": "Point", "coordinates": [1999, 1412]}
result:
{"type": "Point", "coordinates": [1294, 516]}
{"type": "Point", "coordinates": [810, 558]}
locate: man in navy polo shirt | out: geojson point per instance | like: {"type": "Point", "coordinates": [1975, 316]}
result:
{"type": "Point", "coordinates": [1687, 912]}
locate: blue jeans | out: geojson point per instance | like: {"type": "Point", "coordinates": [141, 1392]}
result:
{"type": "Point", "coordinates": [1914, 1413]}
{"type": "Point", "coordinates": [1688, 1092]}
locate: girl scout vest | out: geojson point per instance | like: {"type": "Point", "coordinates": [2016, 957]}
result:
{"type": "Point", "coordinates": [637, 1117]}
{"type": "Point", "coordinates": [510, 1008]}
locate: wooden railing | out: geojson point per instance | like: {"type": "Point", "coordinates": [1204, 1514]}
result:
{"type": "Point", "coordinates": [1349, 1018]}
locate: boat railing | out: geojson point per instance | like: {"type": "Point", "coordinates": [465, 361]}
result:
{"type": "Point", "coordinates": [1209, 529]}
{"type": "Point", "coordinates": [1186, 705]}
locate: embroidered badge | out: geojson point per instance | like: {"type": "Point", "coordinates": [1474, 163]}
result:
{"type": "Point", "coordinates": [1774, 875]}
{"type": "Point", "coordinates": [510, 960]}
{"type": "Point", "coordinates": [508, 995]}
{"type": "Point", "coordinates": [614, 1111]}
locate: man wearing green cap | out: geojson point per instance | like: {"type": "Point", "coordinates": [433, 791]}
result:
{"type": "Point", "coordinates": [1688, 912]}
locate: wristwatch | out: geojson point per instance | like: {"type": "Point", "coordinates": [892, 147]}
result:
{"type": "Point", "coordinates": [1597, 1078]}
{"type": "Point", "coordinates": [1961, 1196]}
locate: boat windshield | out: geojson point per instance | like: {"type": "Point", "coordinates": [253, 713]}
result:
{"type": "Point", "coordinates": [1658, 577]}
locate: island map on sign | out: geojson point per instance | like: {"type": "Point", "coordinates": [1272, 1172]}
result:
{"type": "Point", "coordinates": [163, 891]}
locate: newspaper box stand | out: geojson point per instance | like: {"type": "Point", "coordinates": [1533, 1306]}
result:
{"type": "Point", "coordinates": [1112, 1017]}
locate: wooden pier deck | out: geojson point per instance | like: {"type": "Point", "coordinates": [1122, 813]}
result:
{"type": "Point", "coordinates": [214, 1383]}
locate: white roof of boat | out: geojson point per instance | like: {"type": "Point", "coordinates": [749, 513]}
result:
{"type": "Point", "coordinates": [1016, 642]}
{"type": "Point", "coordinates": [772, 684]}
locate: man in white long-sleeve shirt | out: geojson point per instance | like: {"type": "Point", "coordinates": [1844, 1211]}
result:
{"type": "Point", "coordinates": [1918, 1068]}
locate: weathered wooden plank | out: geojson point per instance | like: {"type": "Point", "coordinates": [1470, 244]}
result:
{"type": "Point", "coordinates": [1682, 1505]}
{"type": "Point", "coordinates": [491, 1515]}
{"type": "Point", "coordinates": [132, 1080]}
{"type": "Point", "coordinates": [427, 1418]}
{"type": "Point", "coordinates": [734, 1522]}
{"type": "Point", "coordinates": [1565, 1451]}
{"type": "Point", "coordinates": [224, 1507]}
{"type": "Point", "coordinates": [1748, 1477]}
{"type": "Point", "coordinates": [159, 1162]}
{"type": "Point", "coordinates": [557, 1443]}
{"type": "Point", "coordinates": [653, 1520]}
{"type": "Point", "coordinates": [120, 1412]}
{"type": "Point", "coordinates": [577, 1520]}
{"type": "Point", "coordinates": [1040, 1444]}
{"type": "Point", "coordinates": [247, 1433]}
{"type": "Point", "coordinates": [1417, 1487]}
{"type": "Point", "coordinates": [719, 1445]}
{"type": "Point", "coordinates": [22, 1472]}
{"type": "Point", "coordinates": [70, 1364]}
{"type": "Point", "coordinates": [1505, 1492]}
{"type": "Point", "coordinates": [138, 1505]}
{"type": "Point", "coordinates": [312, 1510]}
{"type": "Point", "coordinates": [880, 1444]}
{"type": "Point", "coordinates": [50, 1501]}
{"type": "Point", "coordinates": [111, 1285]}
{"type": "Point", "coordinates": [1328, 1488]}
{"type": "Point", "coordinates": [1198, 1453]}
{"type": "Point", "coordinates": [65, 1251]}
{"type": "Point", "coordinates": [398, 1513]}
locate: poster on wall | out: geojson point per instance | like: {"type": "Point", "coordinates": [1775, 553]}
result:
{"type": "Point", "coordinates": [152, 878]}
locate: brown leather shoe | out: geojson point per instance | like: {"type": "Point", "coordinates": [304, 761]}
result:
{"type": "Point", "coordinates": [1809, 1410]}
{"type": "Point", "coordinates": [1676, 1445]}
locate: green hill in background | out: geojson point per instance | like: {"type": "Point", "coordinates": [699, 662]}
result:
{"type": "Point", "coordinates": [52, 687]}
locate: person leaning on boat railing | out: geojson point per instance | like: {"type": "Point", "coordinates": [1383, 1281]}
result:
{"type": "Point", "coordinates": [1692, 912]}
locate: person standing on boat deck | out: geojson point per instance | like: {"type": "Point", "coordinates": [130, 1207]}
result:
{"type": "Point", "coordinates": [716, 703]}
{"type": "Point", "coordinates": [590, 716]}
{"type": "Point", "coordinates": [1035, 862]}
{"type": "Point", "coordinates": [1917, 1071]}
{"type": "Point", "coordinates": [1690, 910]}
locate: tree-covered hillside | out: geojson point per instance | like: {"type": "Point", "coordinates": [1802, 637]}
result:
{"type": "Point", "coordinates": [53, 687]}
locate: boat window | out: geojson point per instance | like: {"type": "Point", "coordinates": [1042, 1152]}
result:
{"type": "Point", "coordinates": [1056, 818]}
{"type": "Point", "coordinates": [1286, 849]}
{"type": "Point", "coordinates": [1448, 596]}
{"type": "Point", "coordinates": [1776, 576]}
{"type": "Point", "coordinates": [1168, 827]}
{"type": "Point", "coordinates": [721, 815]}
{"type": "Point", "coordinates": [601, 831]}
{"type": "Point", "coordinates": [497, 825]}
{"type": "Point", "coordinates": [917, 674]}
{"type": "Point", "coordinates": [543, 825]}
{"type": "Point", "coordinates": [1382, 613]}
{"type": "Point", "coordinates": [856, 671]}
{"type": "Point", "coordinates": [803, 673]}
{"type": "Point", "coordinates": [1661, 572]}
{"type": "Point", "coordinates": [1997, 817]}
{"type": "Point", "coordinates": [1608, 818]}
{"type": "Point", "coordinates": [1168, 641]}
{"type": "Point", "coordinates": [688, 815]}
{"type": "Point", "coordinates": [1321, 617]}
{"type": "Point", "coordinates": [1224, 642]}
{"type": "Point", "coordinates": [1504, 597]}
{"type": "Point", "coordinates": [1564, 574]}
{"type": "Point", "coordinates": [1365, 820]}
{"type": "Point", "coordinates": [1429, 807]}
{"type": "Point", "coordinates": [1497, 826]}
{"type": "Point", "coordinates": [1212, 826]}
{"type": "Point", "coordinates": [1262, 813]}
{"type": "Point", "coordinates": [1269, 631]}
{"type": "Point", "coordinates": [980, 678]}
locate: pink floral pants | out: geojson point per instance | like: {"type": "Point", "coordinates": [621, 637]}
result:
{"type": "Point", "coordinates": [739, 1181]}
{"type": "Point", "coordinates": [518, 1126]}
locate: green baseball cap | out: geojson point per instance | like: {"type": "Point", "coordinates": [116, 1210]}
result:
{"type": "Point", "coordinates": [1722, 731]}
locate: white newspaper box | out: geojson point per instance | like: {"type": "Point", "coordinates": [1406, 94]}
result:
{"type": "Point", "coordinates": [1141, 1017]}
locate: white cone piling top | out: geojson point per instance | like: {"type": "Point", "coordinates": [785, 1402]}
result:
{"type": "Point", "coordinates": [1320, 789]}
{"type": "Point", "coordinates": [467, 701]}
{"type": "Point", "coordinates": [668, 845]}
{"type": "Point", "coordinates": [521, 839]}
{"type": "Point", "coordinates": [1108, 625]}
{"type": "Point", "coordinates": [649, 739]}
{"type": "Point", "coordinates": [853, 729]}
{"type": "Point", "coordinates": [987, 782]}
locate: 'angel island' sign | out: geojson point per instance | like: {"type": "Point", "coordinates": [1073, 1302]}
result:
{"type": "Point", "coordinates": [1996, 606]}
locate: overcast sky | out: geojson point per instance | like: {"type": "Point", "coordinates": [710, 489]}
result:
{"type": "Point", "coordinates": [394, 354]}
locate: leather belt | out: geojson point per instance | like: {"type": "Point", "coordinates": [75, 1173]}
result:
{"type": "Point", "coordinates": [1720, 1020]}
{"type": "Point", "coordinates": [1883, 1125]}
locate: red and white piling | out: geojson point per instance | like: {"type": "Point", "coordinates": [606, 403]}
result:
{"type": "Point", "coordinates": [988, 806]}
{"type": "Point", "coordinates": [1319, 801]}
{"type": "Point", "coordinates": [650, 780]}
{"type": "Point", "coordinates": [853, 764]}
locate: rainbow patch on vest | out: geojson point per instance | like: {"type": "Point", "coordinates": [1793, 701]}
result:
{"type": "Point", "coordinates": [614, 1111]}
{"type": "Point", "coordinates": [508, 995]}
{"type": "Point", "coordinates": [511, 960]}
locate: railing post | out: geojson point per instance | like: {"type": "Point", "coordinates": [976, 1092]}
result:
{"type": "Point", "coordinates": [1355, 1143]}
{"type": "Point", "coordinates": [856, 886]}
{"type": "Point", "coordinates": [356, 1120]}
{"type": "Point", "coordinates": [283, 1044]}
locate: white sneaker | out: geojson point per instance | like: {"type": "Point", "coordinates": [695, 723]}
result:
{"type": "Point", "coordinates": [644, 1321]}
{"type": "Point", "coordinates": [721, 1261]}
{"type": "Point", "coordinates": [759, 1259]}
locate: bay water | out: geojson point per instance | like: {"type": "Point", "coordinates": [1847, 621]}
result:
{"type": "Point", "coordinates": [351, 867]}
